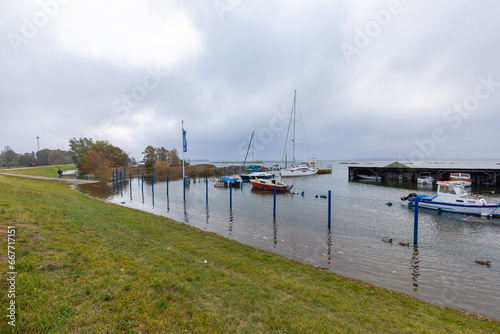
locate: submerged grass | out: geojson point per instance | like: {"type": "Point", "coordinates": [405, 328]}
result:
{"type": "Point", "coordinates": [85, 266]}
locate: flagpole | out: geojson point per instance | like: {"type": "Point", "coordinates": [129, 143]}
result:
{"type": "Point", "coordinates": [183, 149]}
{"type": "Point", "coordinates": [183, 152]}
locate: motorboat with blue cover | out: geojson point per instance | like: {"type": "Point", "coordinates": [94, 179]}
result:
{"type": "Point", "coordinates": [452, 197]}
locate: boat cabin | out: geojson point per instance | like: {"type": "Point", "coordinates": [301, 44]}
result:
{"type": "Point", "coordinates": [448, 191]}
{"type": "Point", "coordinates": [451, 188]}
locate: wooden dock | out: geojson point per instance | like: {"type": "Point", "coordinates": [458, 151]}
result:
{"type": "Point", "coordinates": [479, 176]}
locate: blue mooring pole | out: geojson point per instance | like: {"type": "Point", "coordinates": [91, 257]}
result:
{"type": "Point", "coordinates": [274, 207]}
{"type": "Point", "coordinates": [184, 181]}
{"type": "Point", "coordinates": [168, 176]}
{"type": "Point", "coordinates": [329, 209]}
{"type": "Point", "coordinates": [230, 195]}
{"type": "Point", "coordinates": [142, 185]}
{"type": "Point", "coordinates": [130, 178]}
{"type": "Point", "coordinates": [206, 184]}
{"type": "Point", "coordinates": [415, 223]}
{"type": "Point", "coordinates": [113, 177]}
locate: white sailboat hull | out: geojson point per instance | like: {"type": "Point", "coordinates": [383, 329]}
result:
{"type": "Point", "coordinates": [297, 172]}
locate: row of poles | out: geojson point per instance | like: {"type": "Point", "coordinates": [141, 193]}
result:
{"type": "Point", "coordinates": [123, 177]}
{"type": "Point", "coordinates": [119, 177]}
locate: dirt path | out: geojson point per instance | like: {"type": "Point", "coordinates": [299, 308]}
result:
{"type": "Point", "coordinates": [57, 179]}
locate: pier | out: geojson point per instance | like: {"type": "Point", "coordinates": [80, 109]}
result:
{"type": "Point", "coordinates": [479, 176]}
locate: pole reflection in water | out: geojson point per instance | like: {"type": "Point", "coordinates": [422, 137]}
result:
{"type": "Point", "coordinates": [415, 265]}
{"type": "Point", "coordinates": [329, 245]}
{"type": "Point", "coordinates": [168, 205]}
{"type": "Point", "coordinates": [186, 216]}
{"type": "Point", "coordinates": [231, 220]}
{"type": "Point", "coordinates": [130, 190]}
{"type": "Point", "coordinates": [275, 232]}
{"type": "Point", "coordinates": [143, 196]}
{"type": "Point", "coordinates": [153, 199]}
{"type": "Point", "coordinates": [208, 214]}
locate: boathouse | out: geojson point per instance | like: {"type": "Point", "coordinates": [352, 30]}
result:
{"type": "Point", "coordinates": [400, 172]}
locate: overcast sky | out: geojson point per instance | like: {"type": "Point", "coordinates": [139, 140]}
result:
{"type": "Point", "coordinates": [415, 80]}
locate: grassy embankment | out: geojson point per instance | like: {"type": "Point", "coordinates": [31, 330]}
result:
{"type": "Point", "coordinates": [48, 171]}
{"type": "Point", "coordinates": [85, 266]}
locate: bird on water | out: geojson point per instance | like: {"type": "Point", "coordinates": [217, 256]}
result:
{"type": "Point", "coordinates": [483, 263]}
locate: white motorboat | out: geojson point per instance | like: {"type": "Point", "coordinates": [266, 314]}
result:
{"type": "Point", "coordinates": [256, 175]}
{"type": "Point", "coordinates": [369, 177]}
{"type": "Point", "coordinates": [425, 180]}
{"type": "Point", "coordinates": [461, 178]}
{"type": "Point", "coordinates": [452, 197]}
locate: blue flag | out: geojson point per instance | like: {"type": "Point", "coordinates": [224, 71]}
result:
{"type": "Point", "coordinates": [184, 141]}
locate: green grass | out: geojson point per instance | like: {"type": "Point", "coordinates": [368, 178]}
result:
{"type": "Point", "coordinates": [85, 266]}
{"type": "Point", "coordinates": [48, 171]}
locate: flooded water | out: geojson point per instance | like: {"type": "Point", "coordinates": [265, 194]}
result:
{"type": "Point", "coordinates": [441, 269]}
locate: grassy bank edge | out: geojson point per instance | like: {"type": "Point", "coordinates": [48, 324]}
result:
{"type": "Point", "coordinates": [56, 226]}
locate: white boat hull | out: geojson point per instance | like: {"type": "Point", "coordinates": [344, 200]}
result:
{"type": "Point", "coordinates": [370, 177]}
{"type": "Point", "coordinates": [293, 173]}
{"type": "Point", "coordinates": [478, 210]}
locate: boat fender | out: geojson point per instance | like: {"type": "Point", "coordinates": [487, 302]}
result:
{"type": "Point", "coordinates": [388, 203]}
{"type": "Point", "coordinates": [316, 196]}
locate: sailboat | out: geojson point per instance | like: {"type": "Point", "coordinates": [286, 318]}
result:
{"type": "Point", "coordinates": [256, 173]}
{"type": "Point", "coordinates": [304, 168]}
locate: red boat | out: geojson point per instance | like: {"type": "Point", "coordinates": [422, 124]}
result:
{"type": "Point", "coordinates": [269, 184]}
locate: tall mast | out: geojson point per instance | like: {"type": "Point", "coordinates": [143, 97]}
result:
{"type": "Point", "coordinates": [248, 149]}
{"type": "Point", "coordinates": [293, 110]}
{"type": "Point", "coordinates": [183, 136]}
{"type": "Point", "coordinates": [292, 117]}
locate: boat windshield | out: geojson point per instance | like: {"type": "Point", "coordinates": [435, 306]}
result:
{"type": "Point", "coordinates": [452, 189]}
{"type": "Point", "coordinates": [461, 191]}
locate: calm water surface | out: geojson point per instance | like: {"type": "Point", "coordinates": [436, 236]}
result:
{"type": "Point", "coordinates": [440, 270]}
